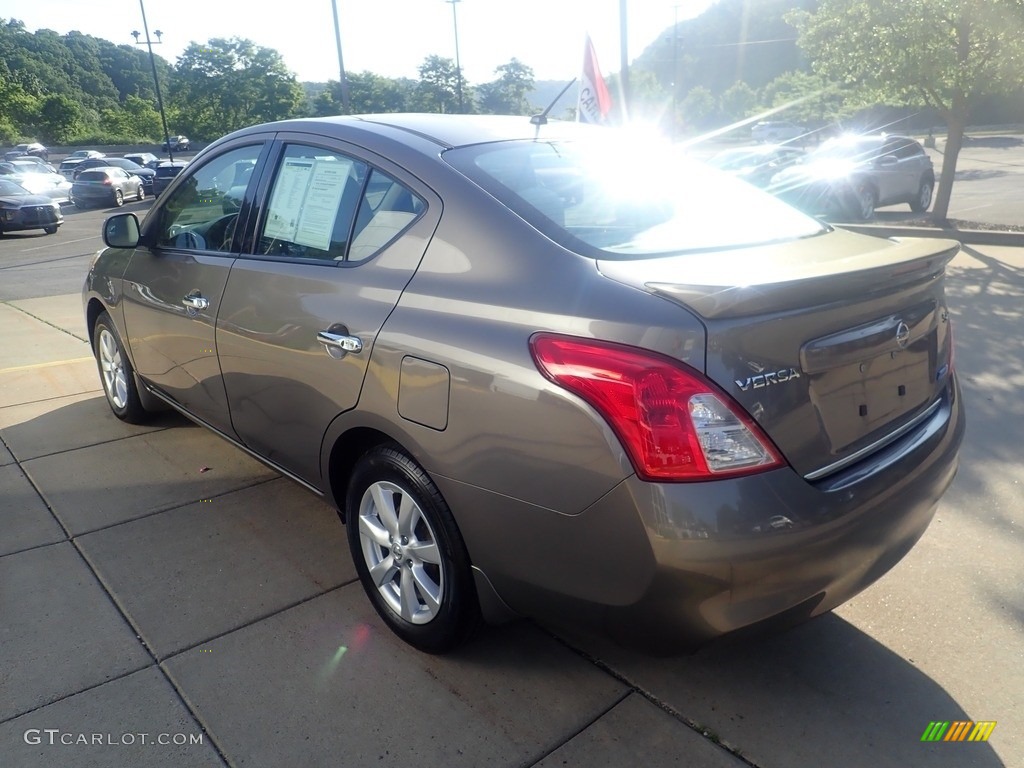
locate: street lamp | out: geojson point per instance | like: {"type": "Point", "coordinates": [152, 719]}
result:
{"type": "Point", "coordinates": [458, 65]}
{"type": "Point", "coordinates": [156, 80]}
{"type": "Point", "coordinates": [343, 83]}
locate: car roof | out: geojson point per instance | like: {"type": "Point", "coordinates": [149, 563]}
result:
{"type": "Point", "coordinates": [445, 131]}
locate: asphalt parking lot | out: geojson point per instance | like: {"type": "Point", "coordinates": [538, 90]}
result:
{"type": "Point", "coordinates": [157, 585]}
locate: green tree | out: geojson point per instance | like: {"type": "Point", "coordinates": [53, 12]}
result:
{"type": "Point", "coordinates": [507, 94]}
{"type": "Point", "coordinates": [698, 109]}
{"type": "Point", "coordinates": [933, 53]}
{"type": "Point", "coordinates": [368, 93]}
{"type": "Point", "coordinates": [58, 119]}
{"type": "Point", "coordinates": [808, 97]}
{"type": "Point", "coordinates": [224, 85]}
{"type": "Point", "coordinates": [738, 101]}
{"type": "Point", "coordinates": [438, 87]}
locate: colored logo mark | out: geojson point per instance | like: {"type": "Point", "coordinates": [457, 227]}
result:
{"type": "Point", "coordinates": [958, 730]}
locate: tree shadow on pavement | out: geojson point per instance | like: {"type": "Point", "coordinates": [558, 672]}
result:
{"type": "Point", "coordinates": [987, 303]}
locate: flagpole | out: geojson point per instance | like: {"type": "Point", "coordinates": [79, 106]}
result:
{"type": "Point", "coordinates": [624, 61]}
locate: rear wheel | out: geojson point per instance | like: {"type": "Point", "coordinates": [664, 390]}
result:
{"type": "Point", "coordinates": [116, 372]}
{"type": "Point", "coordinates": [924, 196]}
{"type": "Point", "coordinates": [118, 198]}
{"type": "Point", "coordinates": [408, 552]}
{"type": "Point", "coordinates": [142, 193]}
{"type": "Point", "coordinates": [865, 201]}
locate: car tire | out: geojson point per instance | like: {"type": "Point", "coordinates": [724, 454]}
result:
{"type": "Point", "coordinates": [116, 372]}
{"type": "Point", "coordinates": [864, 201]}
{"type": "Point", "coordinates": [923, 201]}
{"type": "Point", "coordinates": [408, 551]}
{"type": "Point", "coordinates": [142, 193]}
{"type": "Point", "coordinates": [118, 198]}
{"type": "Point", "coordinates": [50, 230]}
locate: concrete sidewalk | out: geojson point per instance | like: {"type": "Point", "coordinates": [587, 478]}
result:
{"type": "Point", "coordinates": [157, 585]}
{"type": "Point", "coordinates": [168, 601]}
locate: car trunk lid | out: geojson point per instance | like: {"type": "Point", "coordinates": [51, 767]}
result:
{"type": "Point", "coordinates": [835, 344]}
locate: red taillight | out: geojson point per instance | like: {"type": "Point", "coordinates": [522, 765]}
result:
{"type": "Point", "coordinates": [673, 423]}
{"type": "Point", "coordinates": [106, 181]}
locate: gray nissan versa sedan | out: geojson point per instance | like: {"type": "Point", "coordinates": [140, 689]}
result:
{"type": "Point", "coordinates": [544, 369]}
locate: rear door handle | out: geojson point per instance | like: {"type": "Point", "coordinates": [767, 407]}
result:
{"type": "Point", "coordinates": [339, 342]}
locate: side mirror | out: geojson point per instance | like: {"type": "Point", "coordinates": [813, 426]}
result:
{"type": "Point", "coordinates": [121, 231]}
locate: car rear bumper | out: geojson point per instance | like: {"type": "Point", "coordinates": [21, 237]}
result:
{"type": "Point", "coordinates": [724, 556]}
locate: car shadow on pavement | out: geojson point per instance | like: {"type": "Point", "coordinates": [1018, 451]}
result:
{"type": "Point", "coordinates": [822, 693]}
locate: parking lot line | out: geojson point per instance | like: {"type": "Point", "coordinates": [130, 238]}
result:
{"type": "Point", "coordinates": [52, 363]}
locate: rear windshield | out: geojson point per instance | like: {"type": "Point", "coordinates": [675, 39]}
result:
{"type": "Point", "coordinates": [92, 176]}
{"type": "Point", "coordinates": [628, 199]}
{"type": "Point", "coordinates": [167, 171]}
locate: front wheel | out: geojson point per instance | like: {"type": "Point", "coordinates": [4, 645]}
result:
{"type": "Point", "coordinates": [924, 197]}
{"type": "Point", "coordinates": [408, 552]}
{"type": "Point", "coordinates": [50, 230]}
{"type": "Point", "coordinates": [142, 194]}
{"type": "Point", "coordinates": [116, 372]}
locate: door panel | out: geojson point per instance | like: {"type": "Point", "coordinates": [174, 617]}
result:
{"type": "Point", "coordinates": [175, 282]}
{"type": "Point", "coordinates": [335, 250]}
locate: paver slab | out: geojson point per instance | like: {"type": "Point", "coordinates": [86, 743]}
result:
{"type": "Point", "coordinates": [65, 423]}
{"type": "Point", "coordinates": [41, 381]}
{"type": "Point", "coordinates": [64, 312]}
{"type": "Point", "coordinates": [5, 455]}
{"type": "Point", "coordinates": [192, 573]}
{"type": "Point", "coordinates": [638, 733]}
{"type": "Point", "coordinates": [101, 485]}
{"type": "Point", "coordinates": [28, 341]}
{"type": "Point", "coordinates": [25, 521]}
{"type": "Point", "coordinates": [325, 684]}
{"type": "Point", "coordinates": [60, 632]}
{"type": "Point", "coordinates": [822, 693]}
{"type": "Point", "coordinates": [136, 721]}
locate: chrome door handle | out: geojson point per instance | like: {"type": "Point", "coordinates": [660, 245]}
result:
{"type": "Point", "coordinates": [196, 302]}
{"type": "Point", "coordinates": [338, 341]}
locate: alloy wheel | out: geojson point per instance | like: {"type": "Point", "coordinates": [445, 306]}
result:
{"type": "Point", "coordinates": [401, 552]}
{"type": "Point", "coordinates": [115, 380]}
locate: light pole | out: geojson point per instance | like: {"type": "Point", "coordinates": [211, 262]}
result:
{"type": "Point", "coordinates": [458, 65]}
{"type": "Point", "coordinates": [156, 80]}
{"type": "Point", "coordinates": [341, 62]}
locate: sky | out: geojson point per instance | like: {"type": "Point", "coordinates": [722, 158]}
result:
{"type": "Point", "coordinates": [387, 37]}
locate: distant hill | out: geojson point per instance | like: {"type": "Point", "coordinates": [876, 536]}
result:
{"type": "Point", "coordinates": [732, 40]}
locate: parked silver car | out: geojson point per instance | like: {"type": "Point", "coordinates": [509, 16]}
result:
{"type": "Point", "coordinates": [543, 370]}
{"type": "Point", "coordinates": [106, 186]}
{"type": "Point", "coordinates": [850, 176]}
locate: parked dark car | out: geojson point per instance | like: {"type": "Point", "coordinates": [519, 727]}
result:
{"type": "Point", "coordinates": [850, 176]}
{"type": "Point", "coordinates": [31, 149]}
{"type": "Point", "coordinates": [757, 164]}
{"type": "Point", "coordinates": [176, 144]}
{"type": "Point", "coordinates": [146, 174]}
{"type": "Point", "coordinates": [145, 159]}
{"type": "Point", "coordinates": [21, 210]}
{"type": "Point", "coordinates": [69, 163]}
{"type": "Point", "coordinates": [164, 174]}
{"type": "Point", "coordinates": [106, 186]}
{"type": "Point", "coordinates": [629, 390]}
